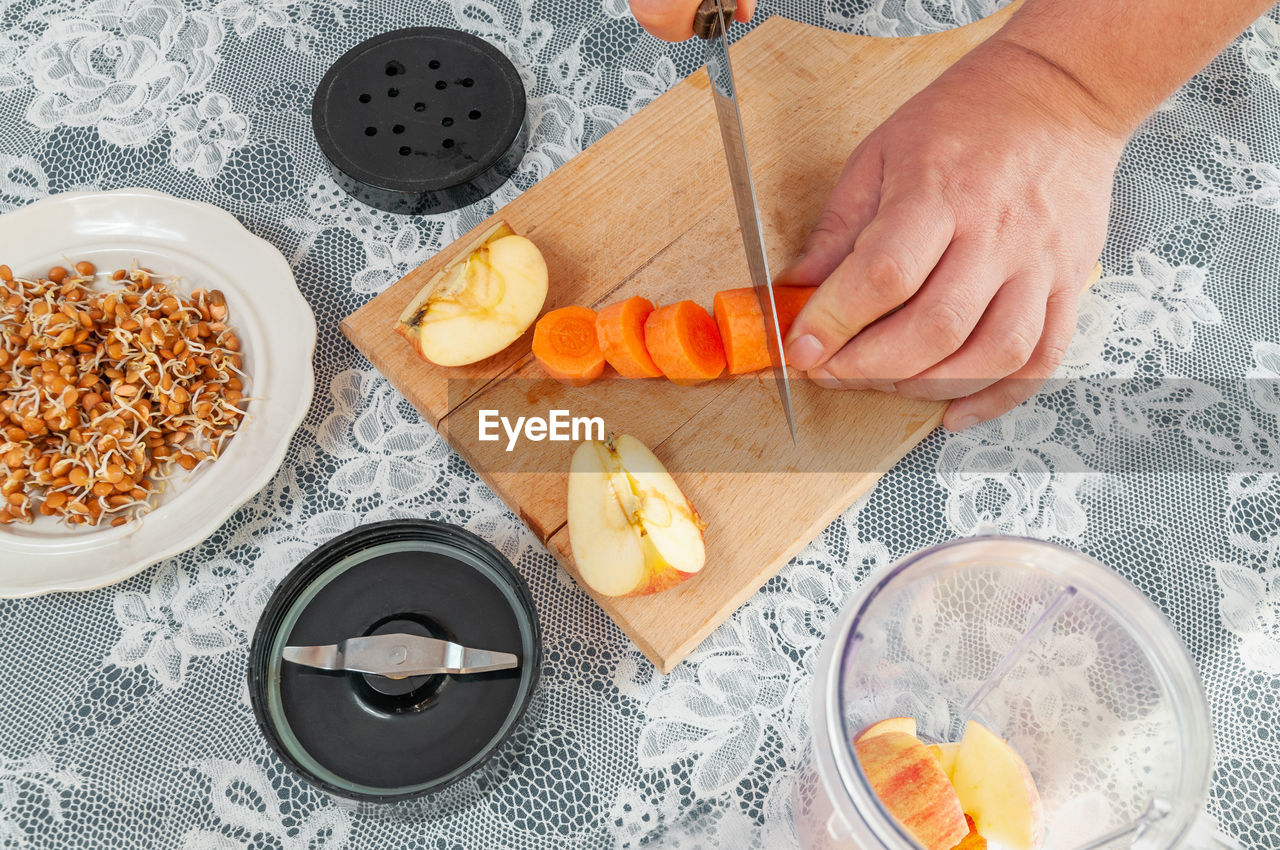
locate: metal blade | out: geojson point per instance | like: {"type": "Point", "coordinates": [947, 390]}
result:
{"type": "Point", "coordinates": [724, 93]}
{"type": "Point", "coordinates": [399, 656]}
{"type": "Point", "coordinates": [321, 657]}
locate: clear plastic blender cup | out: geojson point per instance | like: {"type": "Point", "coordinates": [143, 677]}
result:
{"type": "Point", "coordinates": [1047, 648]}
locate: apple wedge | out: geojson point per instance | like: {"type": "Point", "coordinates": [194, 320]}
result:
{"type": "Point", "coordinates": [632, 531]}
{"type": "Point", "coordinates": [946, 755]}
{"type": "Point", "coordinates": [891, 724]}
{"type": "Point", "coordinates": [480, 303]}
{"type": "Point", "coordinates": [913, 787]}
{"type": "Point", "coordinates": [996, 788]}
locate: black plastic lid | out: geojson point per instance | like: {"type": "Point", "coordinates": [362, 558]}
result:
{"type": "Point", "coordinates": [421, 120]}
{"type": "Point", "coordinates": [378, 739]}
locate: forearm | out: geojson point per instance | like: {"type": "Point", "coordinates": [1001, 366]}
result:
{"type": "Point", "coordinates": [1121, 58]}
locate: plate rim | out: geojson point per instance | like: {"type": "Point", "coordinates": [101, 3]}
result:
{"type": "Point", "coordinates": [215, 517]}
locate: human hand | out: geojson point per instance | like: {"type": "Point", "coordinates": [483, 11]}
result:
{"type": "Point", "coordinates": [672, 20]}
{"type": "Point", "coordinates": [979, 207]}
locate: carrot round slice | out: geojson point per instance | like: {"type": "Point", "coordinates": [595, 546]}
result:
{"type": "Point", "coordinates": [564, 342]}
{"type": "Point", "coordinates": [741, 323]}
{"type": "Point", "coordinates": [790, 300]}
{"type": "Point", "coordinates": [620, 331]}
{"type": "Point", "coordinates": [683, 341]}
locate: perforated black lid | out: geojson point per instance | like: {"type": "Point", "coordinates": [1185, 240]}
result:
{"type": "Point", "coordinates": [421, 120]}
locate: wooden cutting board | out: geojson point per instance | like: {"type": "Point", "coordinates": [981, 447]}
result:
{"type": "Point", "coordinates": [647, 210]}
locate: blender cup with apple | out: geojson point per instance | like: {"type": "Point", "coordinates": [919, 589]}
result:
{"type": "Point", "coordinates": [1100, 729]}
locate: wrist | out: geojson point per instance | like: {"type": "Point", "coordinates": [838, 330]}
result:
{"type": "Point", "coordinates": [1053, 88]}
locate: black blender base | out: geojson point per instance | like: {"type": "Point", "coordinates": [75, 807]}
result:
{"type": "Point", "coordinates": [379, 739]}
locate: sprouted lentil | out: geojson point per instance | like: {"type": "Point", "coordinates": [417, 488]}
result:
{"type": "Point", "coordinates": [107, 392]}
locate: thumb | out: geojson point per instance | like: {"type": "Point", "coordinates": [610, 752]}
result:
{"type": "Point", "coordinates": [850, 206]}
{"type": "Point", "coordinates": [894, 254]}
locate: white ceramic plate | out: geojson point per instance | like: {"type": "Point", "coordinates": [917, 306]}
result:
{"type": "Point", "coordinates": [208, 248]}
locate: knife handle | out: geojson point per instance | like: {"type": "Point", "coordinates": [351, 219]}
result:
{"type": "Point", "coordinates": [706, 21]}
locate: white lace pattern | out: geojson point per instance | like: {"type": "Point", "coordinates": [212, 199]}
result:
{"type": "Point", "coordinates": [124, 720]}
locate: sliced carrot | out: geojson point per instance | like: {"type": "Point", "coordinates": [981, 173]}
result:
{"type": "Point", "coordinates": [972, 841]}
{"type": "Point", "coordinates": [789, 301]}
{"type": "Point", "coordinates": [564, 341]}
{"type": "Point", "coordinates": [682, 339]}
{"type": "Point", "coordinates": [741, 323]}
{"type": "Point", "coordinates": [620, 331]}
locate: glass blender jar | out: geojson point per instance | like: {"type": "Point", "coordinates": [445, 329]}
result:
{"type": "Point", "coordinates": [1047, 648]}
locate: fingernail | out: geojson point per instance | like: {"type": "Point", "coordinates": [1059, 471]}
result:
{"type": "Point", "coordinates": [964, 422]}
{"type": "Point", "coordinates": [825, 379]}
{"type": "Point", "coordinates": [803, 353]}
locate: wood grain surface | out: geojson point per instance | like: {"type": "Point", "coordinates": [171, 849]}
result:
{"type": "Point", "coordinates": [647, 210]}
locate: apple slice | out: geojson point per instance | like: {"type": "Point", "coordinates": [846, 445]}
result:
{"type": "Point", "coordinates": [946, 755]}
{"type": "Point", "coordinates": [891, 724]}
{"type": "Point", "coordinates": [912, 786]}
{"type": "Point", "coordinates": [996, 788]}
{"type": "Point", "coordinates": [480, 303]}
{"type": "Point", "coordinates": [631, 529]}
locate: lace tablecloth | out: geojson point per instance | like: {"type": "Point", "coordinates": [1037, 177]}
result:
{"type": "Point", "coordinates": [124, 720]}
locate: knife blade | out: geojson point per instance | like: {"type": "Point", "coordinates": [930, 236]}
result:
{"type": "Point", "coordinates": [712, 24]}
{"type": "Point", "coordinates": [399, 656]}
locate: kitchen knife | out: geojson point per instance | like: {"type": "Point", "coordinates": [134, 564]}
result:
{"type": "Point", "coordinates": [712, 24]}
{"type": "Point", "coordinates": [399, 656]}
